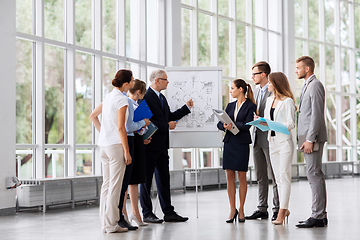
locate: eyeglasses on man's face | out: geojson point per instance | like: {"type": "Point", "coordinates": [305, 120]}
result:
{"type": "Point", "coordinates": [254, 74]}
{"type": "Point", "coordinates": [165, 79]}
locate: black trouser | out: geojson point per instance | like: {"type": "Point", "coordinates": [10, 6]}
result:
{"type": "Point", "coordinates": [156, 162]}
{"type": "Point", "coordinates": [127, 176]}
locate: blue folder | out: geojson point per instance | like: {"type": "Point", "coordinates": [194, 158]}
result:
{"type": "Point", "coordinates": [142, 111]}
{"type": "Point", "coordinates": [275, 126]}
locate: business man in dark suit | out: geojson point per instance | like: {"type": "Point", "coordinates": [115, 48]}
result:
{"type": "Point", "coordinates": [311, 124]}
{"type": "Point", "coordinates": [156, 152]}
{"type": "Point", "coordinates": [260, 143]}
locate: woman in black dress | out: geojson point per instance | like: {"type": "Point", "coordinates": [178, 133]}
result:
{"type": "Point", "coordinates": [138, 172]}
{"type": "Point", "coordinates": [236, 147]}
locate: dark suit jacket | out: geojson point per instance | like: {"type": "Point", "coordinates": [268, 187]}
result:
{"type": "Point", "coordinates": [161, 118]}
{"type": "Point", "coordinates": [245, 115]}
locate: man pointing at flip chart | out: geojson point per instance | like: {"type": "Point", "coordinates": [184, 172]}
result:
{"type": "Point", "coordinates": [156, 152]}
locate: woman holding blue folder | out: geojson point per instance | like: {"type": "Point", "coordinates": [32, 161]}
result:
{"type": "Point", "coordinates": [236, 147]}
{"type": "Point", "coordinates": [135, 93]}
{"type": "Point", "coordinates": [280, 107]}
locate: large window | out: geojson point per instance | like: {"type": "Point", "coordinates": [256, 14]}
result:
{"type": "Point", "coordinates": [328, 31]}
{"type": "Point", "coordinates": [233, 35]}
{"type": "Point", "coordinates": [66, 59]}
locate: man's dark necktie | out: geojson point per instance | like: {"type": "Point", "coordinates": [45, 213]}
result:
{"type": "Point", "coordinates": [162, 101]}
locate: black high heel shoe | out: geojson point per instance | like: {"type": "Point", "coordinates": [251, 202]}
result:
{"type": "Point", "coordinates": [232, 219]}
{"type": "Point", "coordinates": [241, 220]}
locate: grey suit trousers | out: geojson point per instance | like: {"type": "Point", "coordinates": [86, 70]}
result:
{"type": "Point", "coordinates": [317, 182]}
{"type": "Point", "coordinates": [262, 164]}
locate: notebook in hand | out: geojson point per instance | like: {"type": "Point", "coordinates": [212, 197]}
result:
{"type": "Point", "coordinates": [151, 130]}
{"type": "Point", "coordinates": [302, 139]}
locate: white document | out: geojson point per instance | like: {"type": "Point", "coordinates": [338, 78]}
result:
{"type": "Point", "coordinates": [224, 118]}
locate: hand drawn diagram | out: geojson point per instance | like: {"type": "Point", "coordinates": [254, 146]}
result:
{"type": "Point", "coordinates": [203, 88]}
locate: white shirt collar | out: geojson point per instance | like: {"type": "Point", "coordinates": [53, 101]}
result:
{"type": "Point", "coordinates": [157, 93]}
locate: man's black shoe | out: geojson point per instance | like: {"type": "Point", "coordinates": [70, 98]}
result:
{"type": "Point", "coordinates": [311, 222]}
{"type": "Point", "coordinates": [324, 219]}
{"type": "Point", "coordinates": [125, 224]}
{"type": "Point", "coordinates": [174, 217]}
{"type": "Point", "coordinates": [257, 214]}
{"type": "Point", "coordinates": [274, 217]}
{"type": "Point", "coordinates": [152, 218]}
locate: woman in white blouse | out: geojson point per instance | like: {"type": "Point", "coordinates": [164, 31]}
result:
{"type": "Point", "coordinates": [280, 107]}
{"type": "Point", "coordinates": [114, 149]}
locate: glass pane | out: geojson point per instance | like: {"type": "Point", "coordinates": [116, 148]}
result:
{"type": "Point", "coordinates": [223, 44]}
{"type": "Point", "coordinates": [83, 30]}
{"type": "Point", "coordinates": [357, 26]}
{"type": "Point", "coordinates": [274, 51]}
{"type": "Point", "coordinates": [24, 16]}
{"type": "Point", "coordinates": [344, 23]}
{"type": "Point", "coordinates": [329, 20]}
{"type": "Point", "coordinates": [152, 32]}
{"type": "Point", "coordinates": [186, 155]}
{"type": "Point", "coordinates": [225, 93]}
{"type": "Point", "coordinates": [258, 47]}
{"type": "Point", "coordinates": [298, 18]}
{"type": "Point", "coordinates": [109, 71]}
{"type": "Point", "coordinates": [314, 19]}
{"type": "Point", "coordinates": [241, 51]}
{"type": "Point", "coordinates": [132, 30]}
{"type": "Point", "coordinates": [109, 26]}
{"type": "Point", "coordinates": [24, 164]}
{"type": "Point", "coordinates": [346, 114]}
{"type": "Point", "coordinates": [332, 155]}
{"type": "Point", "coordinates": [274, 15]}
{"type": "Point", "coordinates": [298, 48]}
{"type": "Point", "coordinates": [315, 54]}
{"type": "Point", "coordinates": [186, 2]}
{"type": "Point", "coordinates": [24, 86]}
{"type": "Point", "coordinates": [185, 37]}
{"type": "Point", "coordinates": [241, 10]}
{"type": "Point", "coordinates": [54, 163]}
{"type": "Point", "coordinates": [83, 162]}
{"type": "Point", "coordinates": [357, 73]}
{"type": "Point", "coordinates": [223, 7]}
{"type": "Point", "coordinates": [345, 70]}
{"type": "Point", "coordinates": [204, 40]}
{"type": "Point", "coordinates": [54, 19]}
{"type": "Point", "coordinates": [258, 13]}
{"type": "Point", "coordinates": [54, 95]}
{"type": "Point", "coordinates": [206, 156]}
{"type": "Point", "coordinates": [204, 4]}
{"type": "Point", "coordinates": [84, 95]}
{"type": "Point", "coordinates": [331, 118]}
{"type": "Point", "coordinates": [330, 68]}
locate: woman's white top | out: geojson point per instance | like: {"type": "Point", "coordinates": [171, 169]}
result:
{"type": "Point", "coordinates": [236, 111]}
{"type": "Point", "coordinates": [109, 131]}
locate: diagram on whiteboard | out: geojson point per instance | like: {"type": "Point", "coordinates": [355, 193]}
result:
{"type": "Point", "coordinates": [203, 88]}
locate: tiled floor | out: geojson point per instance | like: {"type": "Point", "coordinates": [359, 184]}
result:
{"type": "Point", "coordinates": [83, 221]}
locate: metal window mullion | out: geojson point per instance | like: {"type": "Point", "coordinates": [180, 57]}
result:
{"type": "Point", "coordinates": [353, 116]}
{"type": "Point", "coordinates": [338, 83]}
{"type": "Point", "coordinates": [70, 164]}
{"type": "Point", "coordinates": [322, 49]}
{"type": "Point", "coordinates": [97, 87]}
{"type": "Point", "coordinates": [232, 39]}
{"type": "Point", "coordinates": [266, 31]}
{"type": "Point", "coordinates": [249, 38]}
{"type": "Point", "coordinates": [305, 10]}
{"type": "Point", "coordinates": [142, 31]}
{"type": "Point", "coordinates": [120, 28]}
{"type": "Point", "coordinates": [214, 35]}
{"type": "Point", "coordinates": [39, 93]}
